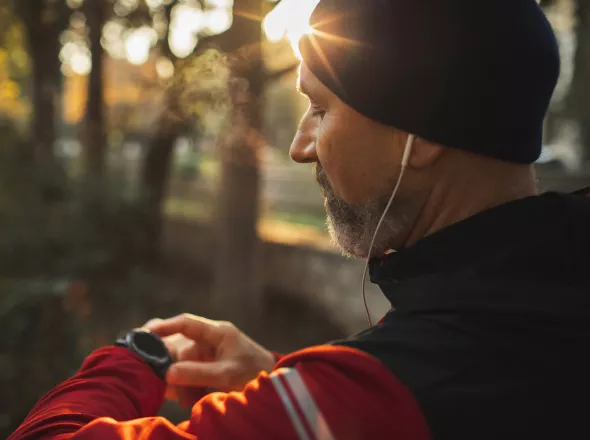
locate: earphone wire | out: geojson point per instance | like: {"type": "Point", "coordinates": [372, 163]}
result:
{"type": "Point", "coordinates": [405, 160]}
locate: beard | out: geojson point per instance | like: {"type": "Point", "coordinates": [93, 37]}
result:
{"type": "Point", "coordinates": [352, 226]}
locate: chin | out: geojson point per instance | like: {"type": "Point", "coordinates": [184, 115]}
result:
{"type": "Point", "coordinates": [353, 242]}
{"type": "Point", "coordinates": [354, 237]}
{"type": "Point", "coordinates": [347, 249]}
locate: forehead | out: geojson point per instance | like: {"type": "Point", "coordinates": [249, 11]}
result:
{"type": "Point", "coordinates": [310, 85]}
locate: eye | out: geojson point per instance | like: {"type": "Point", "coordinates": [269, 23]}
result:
{"type": "Point", "coordinates": [317, 112]}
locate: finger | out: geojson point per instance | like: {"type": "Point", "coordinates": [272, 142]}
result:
{"type": "Point", "coordinates": [171, 393]}
{"type": "Point", "coordinates": [152, 323]}
{"type": "Point", "coordinates": [191, 352]}
{"type": "Point", "coordinates": [177, 345]}
{"type": "Point", "coordinates": [176, 338]}
{"type": "Point", "coordinates": [201, 374]}
{"type": "Point", "coordinates": [193, 327]}
{"type": "Point", "coordinates": [173, 345]}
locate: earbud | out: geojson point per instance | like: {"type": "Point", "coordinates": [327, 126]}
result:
{"type": "Point", "coordinates": [405, 162]}
{"type": "Point", "coordinates": [408, 151]}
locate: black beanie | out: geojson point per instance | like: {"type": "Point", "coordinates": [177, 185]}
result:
{"type": "Point", "coordinates": [469, 74]}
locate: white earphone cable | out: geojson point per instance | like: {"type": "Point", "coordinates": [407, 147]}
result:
{"type": "Point", "coordinates": [405, 160]}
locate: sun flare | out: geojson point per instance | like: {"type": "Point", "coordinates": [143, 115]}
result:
{"type": "Point", "coordinates": [290, 19]}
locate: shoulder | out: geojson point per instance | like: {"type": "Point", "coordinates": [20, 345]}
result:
{"type": "Point", "coordinates": [349, 391]}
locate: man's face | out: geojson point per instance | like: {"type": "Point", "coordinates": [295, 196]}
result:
{"type": "Point", "coordinates": [358, 162]}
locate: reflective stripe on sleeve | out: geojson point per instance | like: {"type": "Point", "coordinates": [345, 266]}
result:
{"type": "Point", "coordinates": [288, 404]}
{"type": "Point", "coordinates": [304, 400]}
{"type": "Point", "coordinates": [312, 414]}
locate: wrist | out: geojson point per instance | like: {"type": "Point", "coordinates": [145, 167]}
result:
{"type": "Point", "coordinates": [149, 348]}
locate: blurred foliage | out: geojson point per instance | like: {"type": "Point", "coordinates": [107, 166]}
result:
{"type": "Point", "coordinates": [51, 227]}
{"type": "Point", "coordinates": [14, 67]}
{"type": "Point", "coordinates": [69, 253]}
{"type": "Point", "coordinates": [38, 347]}
{"type": "Point", "coordinates": [73, 270]}
{"type": "Point", "coordinates": [202, 87]}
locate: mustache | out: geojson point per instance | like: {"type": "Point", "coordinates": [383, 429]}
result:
{"type": "Point", "coordinates": [322, 179]}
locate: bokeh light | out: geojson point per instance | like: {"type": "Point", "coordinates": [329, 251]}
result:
{"type": "Point", "coordinates": [165, 68]}
{"type": "Point", "coordinates": [75, 58]}
{"type": "Point", "coordinates": [113, 40]}
{"type": "Point", "coordinates": [221, 3]}
{"type": "Point", "coordinates": [218, 20]}
{"type": "Point", "coordinates": [182, 42]}
{"type": "Point", "coordinates": [187, 18]}
{"type": "Point", "coordinates": [74, 3]}
{"type": "Point", "coordinates": [289, 19]}
{"type": "Point", "coordinates": [124, 7]}
{"type": "Point", "coordinates": [81, 63]}
{"type": "Point", "coordinates": [139, 43]}
{"type": "Point", "coordinates": [153, 4]}
{"type": "Point", "coordinates": [187, 21]}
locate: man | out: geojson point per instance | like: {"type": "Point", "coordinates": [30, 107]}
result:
{"type": "Point", "coordinates": [432, 112]}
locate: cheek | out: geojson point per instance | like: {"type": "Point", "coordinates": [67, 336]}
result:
{"type": "Point", "coordinates": [337, 150]}
{"type": "Point", "coordinates": [355, 157]}
{"type": "Point", "coordinates": [326, 144]}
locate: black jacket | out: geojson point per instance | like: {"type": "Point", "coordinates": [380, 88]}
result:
{"type": "Point", "coordinates": [490, 322]}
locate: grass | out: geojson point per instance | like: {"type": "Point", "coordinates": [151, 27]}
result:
{"type": "Point", "coordinates": [300, 218]}
{"type": "Point", "coordinates": [283, 227]}
{"type": "Point", "coordinates": [189, 209]}
{"type": "Point", "coordinates": [200, 211]}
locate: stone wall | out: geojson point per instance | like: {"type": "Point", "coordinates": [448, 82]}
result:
{"type": "Point", "coordinates": [324, 278]}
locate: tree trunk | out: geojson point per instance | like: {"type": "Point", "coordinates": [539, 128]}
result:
{"type": "Point", "coordinates": [578, 100]}
{"type": "Point", "coordinates": [43, 22]}
{"type": "Point", "coordinates": [157, 162]}
{"type": "Point", "coordinates": [551, 127]}
{"type": "Point", "coordinates": [155, 174]}
{"type": "Point", "coordinates": [237, 276]}
{"type": "Point", "coordinates": [95, 130]}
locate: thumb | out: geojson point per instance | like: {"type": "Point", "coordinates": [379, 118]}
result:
{"type": "Point", "coordinates": [219, 375]}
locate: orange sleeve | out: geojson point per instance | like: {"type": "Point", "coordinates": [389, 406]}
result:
{"type": "Point", "coordinates": [323, 392]}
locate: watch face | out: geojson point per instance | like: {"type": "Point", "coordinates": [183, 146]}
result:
{"type": "Point", "coordinates": [150, 344]}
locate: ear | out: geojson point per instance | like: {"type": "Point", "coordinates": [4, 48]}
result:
{"type": "Point", "coordinates": [424, 153]}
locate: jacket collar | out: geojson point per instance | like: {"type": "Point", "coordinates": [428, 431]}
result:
{"type": "Point", "coordinates": [460, 243]}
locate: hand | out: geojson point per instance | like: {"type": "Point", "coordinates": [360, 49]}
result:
{"type": "Point", "coordinates": [181, 348]}
{"type": "Point", "coordinates": [218, 356]}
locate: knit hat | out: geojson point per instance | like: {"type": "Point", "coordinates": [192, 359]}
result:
{"type": "Point", "coordinates": [468, 74]}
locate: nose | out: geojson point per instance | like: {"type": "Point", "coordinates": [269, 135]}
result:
{"type": "Point", "coordinates": [303, 147]}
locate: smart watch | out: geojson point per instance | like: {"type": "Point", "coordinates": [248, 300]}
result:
{"type": "Point", "coordinates": [149, 347]}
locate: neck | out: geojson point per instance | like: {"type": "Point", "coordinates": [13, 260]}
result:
{"type": "Point", "coordinates": [466, 185]}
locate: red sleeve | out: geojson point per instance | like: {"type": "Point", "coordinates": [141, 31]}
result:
{"type": "Point", "coordinates": [112, 382]}
{"type": "Point", "coordinates": [357, 395]}
{"type": "Point", "coordinates": [323, 392]}
{"type": "Point", "coordinates": [278, 356]}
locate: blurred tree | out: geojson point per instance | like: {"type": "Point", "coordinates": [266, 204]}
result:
{"type": "Point", "coordinates": [576, 107]}
{"type": "Point", "coordinates": [237, 277]}
{"type": "Point", "coordinates": [44, 21]}
{"type": "Point", "coordinates": [578, 100]}
{"type": "Point", "coordinates": [11, 102]}
{"type": "Point", "coordinates": [170, 125]}
{"type": "Point", "coordinates": [173, 119]}
{"type": "Point", "coordinates": [237, 202]}
{"type": "Point", "coordinates": [95, 136]}
{"type": "Point", "coordinates": [238, 284]}
{"type": "Point", "coordinates": [14, 65]}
